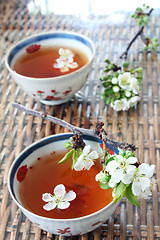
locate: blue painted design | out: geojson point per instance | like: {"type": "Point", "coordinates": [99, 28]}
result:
{"type": "Point", "coordinates": [39, 38]}
{"type": "Point", "coordinates": [44, 142]}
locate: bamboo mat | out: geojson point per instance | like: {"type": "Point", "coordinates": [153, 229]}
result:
{"type": "Point", "coordinates": [139, 126]}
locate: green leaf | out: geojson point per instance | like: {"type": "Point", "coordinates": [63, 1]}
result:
{"type": "Point", "coordinates": [74, 158]}
{"type": "Point", "coordinates": [117, 94]}
{"type": "Point", "coordinates": [67, 144]}
{"type": "Point", "coordinates": [116, 74]}
{"type": "Point", "coordinates": [67, 156]}
{"type": "Point", "coordinates": [108, 100]}
{"type": "Point", "coordinates": [119, 192]}
{"type": "Point", "coordinates": [104, 185]}
{"type": "Point", "coordinates": [131, 197]}
{"type": "Point", "coordinates": [105, 178]}
{"type": "Point", "coordinates": [107, 61]}
{"type": "Point", "coordinates": [106, 84]}
{"type": "Point", "coordinates": [125, 64]}
{"type": "Point", "coordinates": [108, 91]}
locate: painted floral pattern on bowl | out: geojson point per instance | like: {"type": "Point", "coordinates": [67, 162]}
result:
{"type": "Point", "coordinates": [53, 95]}
{"type": "Point", "coordinates": [33, 48]}
{"type": "Point", "coordinates": [21, 173]}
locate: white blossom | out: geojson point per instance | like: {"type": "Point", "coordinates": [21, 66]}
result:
{"type": "Point", "coordinates": [134, 85]}
{"type": "Point", "coordinates": [59, 199]}
{"type": "Point", "coordinates": [86, 159]}
{"type": "Point", "coordinates": [116, 89]}
{"type": "Point", "coordinates": [114, 80]}
{"type": "Point", "coordinates": [65, 61]}
{"type": "Point", "coordinates": [124, 80]}
{"type": "Point", "coordinates": [127, 93]}
{"type": "Point", "coordinates": [142, 181]}
{"type": "Point", "coordinates": [133, 101]}
{"type": "Point", "coordinates": [121, 169]}
{"type": "Point", "coordinates": [122, 104]}
{"type": "Point", "coordinates": [99, 176]}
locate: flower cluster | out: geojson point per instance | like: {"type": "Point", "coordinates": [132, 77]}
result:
{"type": "Point", "coordinates": [127, 177]}
{"type": "Point", "coordinates": [123, 173]}
{"type": "Point", "coordinates": [59, 199]}
{"type": "Point", "coordinates": [82, 156]}
{"type": "Point", "coordinates": [65, 61]}
{"type": "Point", "coordinates": [122, 88]}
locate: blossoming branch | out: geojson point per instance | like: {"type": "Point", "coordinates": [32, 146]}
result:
{"type": "Point", "coordinates": [123, 173]}
{"type": "Point", "coordinates": [122, 86]}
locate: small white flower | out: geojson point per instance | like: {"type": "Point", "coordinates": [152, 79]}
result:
{"type": "Point", "coordinates": [124, 80]}
{"type": "Point", "coordinates": [122, 104]}
{"type": "Point", "coordinates": [65, 61]}
{"type": "Point", "coordinates": [114, 80]}
{"type": "Point", "coordinates": [65, 54]}
{"type": "Point", "coordinates": [127, 93]}
{"type": "Point", "coordinates": [121, 169]}
{"type": "Point", "coordinates": [85, 160]}
{"type": "Point", "coordinates": [59, 199]}
{"type": "Point", "coordinates": [133, 101]}
{"type": "Point", "coordinates": [134, 85]}
{"type": "Point", "coordinates": [116, 89]}
{"type": "Point", "coordinates": [99, 176]}
{"type": "Point", "coordinates": [142, 182]}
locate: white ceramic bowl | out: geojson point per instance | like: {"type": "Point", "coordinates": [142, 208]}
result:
{"type": "Point", "coordinates": [54, 90]}
{"type": "Point", "coordinates": [66, 227]}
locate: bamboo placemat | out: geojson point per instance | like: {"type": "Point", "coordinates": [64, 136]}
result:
{"type": "Point", "coordinates": [139, 126]}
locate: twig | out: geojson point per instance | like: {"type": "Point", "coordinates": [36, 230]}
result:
{"type": "Point", "coordinates": [113, 143]}
{"type": "Point", "coordinates": [125, 53]}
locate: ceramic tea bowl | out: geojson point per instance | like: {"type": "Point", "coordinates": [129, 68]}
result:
{"type": "Point", "coordinates": [66, 227]}
{"type": "Point", "coordinates": [53, 90]}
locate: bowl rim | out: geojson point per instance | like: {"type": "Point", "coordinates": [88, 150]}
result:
{"type": "Point", "coordinates": [47, 218]}
{"type": "Point", "coordinates": [49, 33]}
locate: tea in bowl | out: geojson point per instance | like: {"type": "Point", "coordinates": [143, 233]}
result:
{"type": "Point", "coordinates": [53, 66]}
{"type": "Point", "coordinates": [54, 196]}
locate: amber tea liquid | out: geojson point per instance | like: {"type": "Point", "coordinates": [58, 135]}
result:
{"type": "Point", "coordinates": [39, 64]}
{"type": "Point", "coordinates": [45, 174]}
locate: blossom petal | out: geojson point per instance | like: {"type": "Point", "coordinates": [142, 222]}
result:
{"type": "Point", "coordinates": [145, 194]}
{"type": "Point", "coordinates": [71, 195]}
{"type": "Point", "coordinates": [59, 190]}
{"type": "Point", "coordinates": [61, 51]}
{"type": "Point", "coordinates": [119, 158]}
{"type": "Point", "coordinates": [79, 165]}
{"type": "Point", "coordinates": [117, 176]}
{"type": "Point", "coordinates": [49, 206]}
{"type": "Point", "coordinates": [81, 158]}
{"type": "Point", "coordinates": [86, 149]}
{"type": "Point", "coordinates": [131, 169]}
{"type": "Point", "coordinates": [64, 69]}
{"type": "Point", "coordinates": [145, 182]}
{"type": "Point", "coordinates": [132, 160]}
{"type": "Point", "coordinates": [69, 60]}
{"type": "Point", "coordinates": [93, 155]}
{"type": "Point", "coordinates": [127, 178]}
{"type": "Point", "coordinates": [63, 205]}
{"type": "Point", "coordinates": [73, 65]}
{"type": "Point", "coordinates": [88, 165]}
{"type": "Point", "coordinates": [99, 176]}
{"type": "Point", "coordinates": [47, 197]}
{"type": "Point", "coordinates": [111, 166]}
{"type": "Point", "coordinates": [144, 168]}
{"type": "Point", "coordinates": [136, 188]}
{"type": "Point", "coordinates": [111, 183]}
